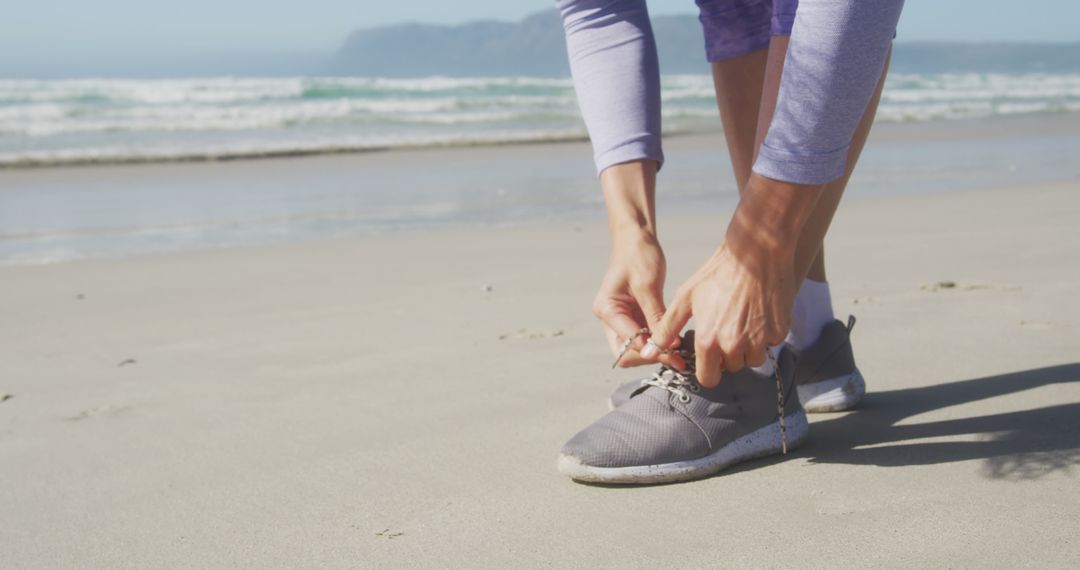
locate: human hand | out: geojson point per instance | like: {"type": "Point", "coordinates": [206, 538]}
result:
{"type": "Point", "coordinates": [631, 297]}
{"type": "Point", "coordinates": [741, 298]}
{"type": "Point", "coordinates": [741, 304]}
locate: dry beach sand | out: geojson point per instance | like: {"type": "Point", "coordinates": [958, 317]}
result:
{"type": "Point", "coordinates": [400, 401]}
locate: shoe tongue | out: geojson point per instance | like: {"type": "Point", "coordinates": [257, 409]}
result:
{"type": "Point", "coordinates": [686, 346]}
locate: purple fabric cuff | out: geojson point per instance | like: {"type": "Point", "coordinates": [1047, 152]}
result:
{"type": "Point", "coordinates": [801, 168]}
{"type": "Point", "coordinates": [646, 147]}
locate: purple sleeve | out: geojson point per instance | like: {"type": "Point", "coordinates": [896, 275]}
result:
{"type": "Point", "coordinates": [835, 58]}
{"type": "Point", "coordinates": [616, 77]}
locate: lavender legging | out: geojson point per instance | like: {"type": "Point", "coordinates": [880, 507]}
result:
{"type": "Point", "coordinates": [834, 61]}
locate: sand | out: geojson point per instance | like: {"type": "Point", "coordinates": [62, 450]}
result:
{"type": "Point", "coordinates": [400, 401]}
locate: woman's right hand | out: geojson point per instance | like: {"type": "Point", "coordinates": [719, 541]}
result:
{"type": "Point", "coordinates": [631, 295]}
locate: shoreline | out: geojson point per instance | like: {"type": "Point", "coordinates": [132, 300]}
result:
{"type": "Point", "coordinates": [1024, 123]}
{"type": "Point", "coordinates": [56, 215]}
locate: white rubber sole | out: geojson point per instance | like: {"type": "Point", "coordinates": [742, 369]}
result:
{"type": "Point", "coordinates": [833, 395]}
{"type": "Point", "coordinates": [760, 443]}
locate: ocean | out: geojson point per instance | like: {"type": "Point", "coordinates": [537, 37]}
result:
{"type": "Point", "coordinates": [60, 202]}
{"type": "Point", "coordinates": [82, 121]}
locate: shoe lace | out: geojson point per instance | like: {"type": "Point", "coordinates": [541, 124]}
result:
{"type": "Point", "coordinates": [674, 381]}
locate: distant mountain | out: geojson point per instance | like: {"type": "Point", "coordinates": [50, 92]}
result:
{"type": "Point", "coordinates": [535, 46]}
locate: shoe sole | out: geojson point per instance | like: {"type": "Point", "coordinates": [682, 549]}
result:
{"type": "Point", "coordinates": [760, 443]}
{"type": "Point", "coordinates": [833, 395]}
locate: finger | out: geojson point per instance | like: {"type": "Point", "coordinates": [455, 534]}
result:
{"type": "Point", "coordinates": [666, 332]}
{"type": "Point", "coordinates": [709, 361]}
{"type": "Point", "coordinates": [755, 358]}
{"type": "Point", "coordinates": [673, 360]}
{"type": "Point", "coordinates": [652, 307]}
{"type": "Point", "coordinates": [626, 356]}
{"type": "Point", "coordinates": [734, 360]}
{"type": "Point", "coordinates": [633, 358]}
{"type": "Point", "coordinates": [621, 326]}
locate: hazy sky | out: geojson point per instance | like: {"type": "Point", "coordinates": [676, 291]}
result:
{"type": "Point", "coordinates": [51, 31]}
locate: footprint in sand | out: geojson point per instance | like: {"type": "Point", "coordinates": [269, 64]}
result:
{"type": "Point", "coordinates": [388, 534]}
{"type": "Point", "coordinates": [1036, 325]}
{"type": "Point", "coordinates": [108, 410]}
{"type": "Point", "coordinates": [531, 334]}
{"type": "Point", "coordinates": [947, 285]}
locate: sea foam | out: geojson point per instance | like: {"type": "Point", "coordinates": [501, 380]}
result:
{"type": "Point", "coordinates": [122, 120]}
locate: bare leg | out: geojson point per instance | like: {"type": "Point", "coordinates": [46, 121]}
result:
{"type": "Point", "coordinates": [739, 83]}
{"type": "Point", "coordinates": [810, 255]}
{"type": "Point", "coordinates": [747, 87]}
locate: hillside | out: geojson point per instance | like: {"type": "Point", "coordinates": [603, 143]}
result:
{"type": "Point", "coordinates": [535, 46]}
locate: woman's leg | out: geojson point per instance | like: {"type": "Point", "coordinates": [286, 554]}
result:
{"type": "Point", "coordinates": [736, 99]}
{"type": "Point", "coordinates": [835, 59]}
{"type": "Point", "coordinates": [738, 82]}
{"type": "Point", "coordinates": [734, 33]}
{"type": "Point", "coordinates": [737, 36]}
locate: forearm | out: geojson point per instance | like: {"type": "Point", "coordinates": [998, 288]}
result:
{"type": "Point", "coordinates": [769, 220]}
{"type": "Point", "coordinates": [629, 194]}
{"type": "Point", "coordinates": [835, 58]}
{"type": "Point", "coordinates": [616, 76]}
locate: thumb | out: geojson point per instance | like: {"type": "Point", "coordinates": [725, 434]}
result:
{"type": "Point", "coordinates": [666, 331]}
{"type": "Point", "coordinates": [652, 305]}
{"type": "Point", "coordinates": [651, 302]}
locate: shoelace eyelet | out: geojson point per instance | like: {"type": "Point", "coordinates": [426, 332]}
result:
{"type": "Point", "coordinates": [684, 398]}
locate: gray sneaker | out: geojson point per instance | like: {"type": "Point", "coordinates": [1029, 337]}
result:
{"type": "Point", "coordinates": [673, 429]}
{"type": "Point", "coordinates": [826, 375]}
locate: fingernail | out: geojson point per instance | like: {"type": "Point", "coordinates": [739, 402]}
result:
{"type": "Point", "coordinates": [650, 350]}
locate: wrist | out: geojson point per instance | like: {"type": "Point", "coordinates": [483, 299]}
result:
{"type": "Point", "coordinates": [771, 215]}
{"type": "Point", "coordinates": [629, 190]}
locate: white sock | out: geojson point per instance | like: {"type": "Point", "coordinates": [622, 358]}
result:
{"type": "Point", "coordinates": [812, 311]}
{"type": "Point", "coordinates": [767, 368]}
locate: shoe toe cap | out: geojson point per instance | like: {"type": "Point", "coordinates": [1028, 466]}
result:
{"type": "Point", "coordinates": [643, 431]}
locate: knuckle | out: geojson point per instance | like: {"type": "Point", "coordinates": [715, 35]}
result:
{"type": "Point", "coordinates": [603, 311]}
{"type": "Point", "coordinates": [703, 343]}
{"type": "Point", "coordinates": [644, 282]}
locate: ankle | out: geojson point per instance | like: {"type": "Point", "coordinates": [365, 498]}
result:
{"type": "Point", "coordinates": [811, 313]}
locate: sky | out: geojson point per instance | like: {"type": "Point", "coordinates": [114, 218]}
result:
{"type": "Point", "coordinates": [93, 32]}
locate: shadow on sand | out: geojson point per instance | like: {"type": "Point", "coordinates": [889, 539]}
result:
{"type": "Point", "coordinates": [1015, 445]}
